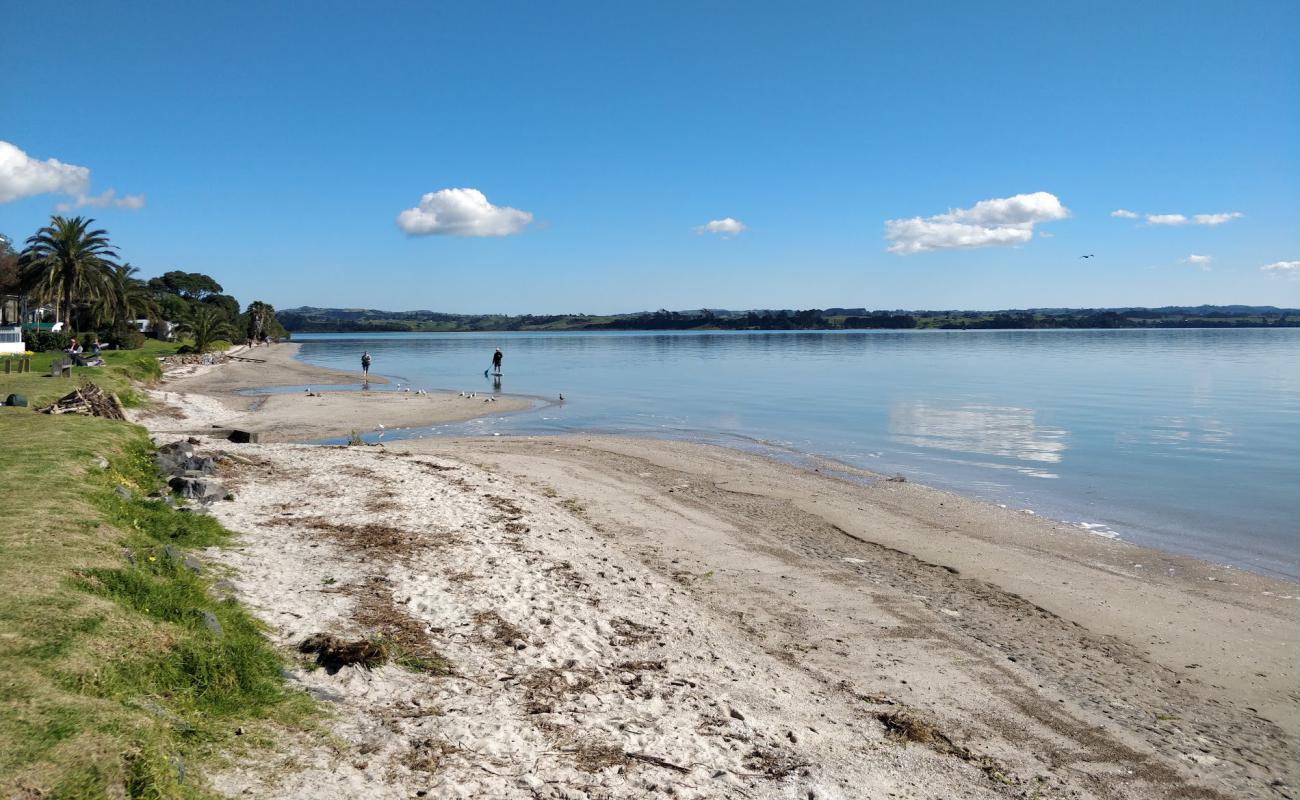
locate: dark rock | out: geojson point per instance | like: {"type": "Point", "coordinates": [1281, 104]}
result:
{"type": "Point", "coordinates": [244, 437]}
{"type": "Point", "coordinates": [122, 492]}
{"type": "Point", "coordinates": [201, 465]}
{"type": "Point", "coordinates": [211, 622]}
{"type": "Point", "coordinates": [171, 458]}
{"type": "Point", "coordinates": [193, 488]}
{"type": "Point", "coordinates": [192, 564]}
{"type": "Point", "coordinates": [130, 556]}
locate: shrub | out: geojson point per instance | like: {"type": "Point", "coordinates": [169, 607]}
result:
{"type": "Point", "coordinates": [123, 337]}
{"type": "Point", "coordinates": [47, 341]}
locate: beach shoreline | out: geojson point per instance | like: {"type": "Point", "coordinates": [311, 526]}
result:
{"type": "Point", "coordinates": [226, 396]}
{"type": "Point", "coordinates": [1103, 668]}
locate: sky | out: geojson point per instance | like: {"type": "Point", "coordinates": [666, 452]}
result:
{"type": "Point", "coordinates": [524, 157]}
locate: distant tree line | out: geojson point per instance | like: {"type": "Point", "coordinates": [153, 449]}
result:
{"type": "Point", "coordinates": [319, 319]}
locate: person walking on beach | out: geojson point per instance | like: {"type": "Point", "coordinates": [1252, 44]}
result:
{"type": "Point", "coordinates": [365, 363]}
{"type": "Point", "coordinates": [496, 360]}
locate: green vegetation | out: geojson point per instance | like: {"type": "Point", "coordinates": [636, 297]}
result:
{"type": "Point", "coordinates": [120, 670]}
{"type": "Point", "coordinates": [205, 326]}
{"type": "Point", "coordinates": [68, 259]}
{"type": "Point", "coordinates": [121, 369]}
{"type": "Point", "coordinates": [68, 272]}
{"type": "Point", "coordinates": [308, 319]}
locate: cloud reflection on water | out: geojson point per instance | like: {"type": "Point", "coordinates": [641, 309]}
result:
{"type": "Point", "coordinates": [1004, 431]}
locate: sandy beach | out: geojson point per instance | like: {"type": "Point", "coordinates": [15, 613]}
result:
{"type": "Point", "coordinates": [211, 397]}
{"type": "Point", "coordinates": [629, 618]}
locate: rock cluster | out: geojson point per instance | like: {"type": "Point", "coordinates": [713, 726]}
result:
{"type": "Point", "coordinates": [191, 359]}
{"type": "Point", "coordinates": [191, 476]}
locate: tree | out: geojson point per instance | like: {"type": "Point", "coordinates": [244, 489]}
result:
{"type": "Point", "coordinates": [128, 299]}
{"type": "Point", "coordinates": [9, 283]}
{"type": "Point", "coordinates": [190, 285]}
{"type": "Point", "coordinates": [206, 326]}
{"type": "Point", "coordinates": [261, 320]}
{"type": "Point", "coordinates": [67, 260]}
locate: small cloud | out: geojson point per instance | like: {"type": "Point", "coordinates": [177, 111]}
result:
{"type": "Point", "coordinates": [725, 227]}
{"type": "Point", "coordinates": [1289, 269]}
{"type": "Point", "coordinates": [23, 176]}
{"type": "Point", "coordinates": [1216, 219]}
{"type": "Point", "coordinates": [1199, 261]}
{"type": "Point", "coordinates": [1124, 214]}
{"type": "Point", "coordinates": [989, 223]}
{"type": "Point", "coordinates": [1045, 234]}
{"type": "Point", "coordinates": [461, 212]}
{"type": "Point", "coordinates": [107, 198]}
{"type": "Point", "coordinates": [1183, 219]}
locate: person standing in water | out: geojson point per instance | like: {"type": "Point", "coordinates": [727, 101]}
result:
{"type": "Point", "coordinates": [496, 360]}
{"type": "Point", "coordinates": [365, 363]}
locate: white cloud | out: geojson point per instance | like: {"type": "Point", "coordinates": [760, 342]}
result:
{"type": "Point", "coordinates": [23, 176]}
{"type": "Point", "coordinates": [725, 227]}
{"type": "Point", "coordinates": [1183, 219]}
{"type": "Point", "coordinates": [1216, 219]}
{"type": "Point", "coordinates": [105, 199]}
{"type": "Point", "coordinates": [1199, 261]}
{"type": "Point", "coordinates": [1283, 268]}
{"type": "Point", "coordinates": [1124, 214]}
{"type": "Point", "coordinates": [461, 212]}
{"type": "Point", "coordinates": [988, 223]}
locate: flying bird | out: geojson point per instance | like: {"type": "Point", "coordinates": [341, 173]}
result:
{"type": "Point", "coordinates": [1090, 255]}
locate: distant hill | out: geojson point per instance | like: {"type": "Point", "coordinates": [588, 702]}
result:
{"type": "Point", "coordinates": [310, 319]}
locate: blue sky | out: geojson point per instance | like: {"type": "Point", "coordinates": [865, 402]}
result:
{"type": "Point", "coordinates": [274, 146]}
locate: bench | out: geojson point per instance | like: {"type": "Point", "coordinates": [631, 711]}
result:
{"type": "Point", "coordinates": [60, 368]}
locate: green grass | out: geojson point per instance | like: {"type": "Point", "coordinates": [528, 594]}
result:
{"type": "Point", "coordinates": [121, 369]}
{"type": "Point", "coordinates": [111, 682]}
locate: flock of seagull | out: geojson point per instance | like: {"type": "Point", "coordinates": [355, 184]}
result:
{"type": "Point", "coordinates": [399, 387]}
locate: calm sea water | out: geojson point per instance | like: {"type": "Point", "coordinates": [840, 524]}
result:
{"type": "Point", "coordinates": [1184, 440]}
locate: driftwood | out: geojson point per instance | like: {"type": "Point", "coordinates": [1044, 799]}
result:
{"type": "Point", "coordinates": [90, 400]}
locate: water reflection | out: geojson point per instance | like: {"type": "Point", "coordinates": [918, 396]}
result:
{"type": "Point", "coordinates": [1003, 431]}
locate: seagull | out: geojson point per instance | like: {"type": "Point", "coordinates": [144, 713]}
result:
{"type": "Point", "coordinates": [381, 426]}
{"type": "Point", "coordinates": [1090, 255]}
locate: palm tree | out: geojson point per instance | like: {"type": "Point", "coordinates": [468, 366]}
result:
{"type": "Point", "coordinates": [206, 326]}
{"type": "Point", "coordinates": [67, 260]}
{"type": "Point", "coordinates": [259, 320]}
{"type": "Point", "coordinates": [128, 298]}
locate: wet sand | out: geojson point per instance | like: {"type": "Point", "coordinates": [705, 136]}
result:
{"type": "Point", "coordinates": [214, 397]}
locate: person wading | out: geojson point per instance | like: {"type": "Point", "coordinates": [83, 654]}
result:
{"type": "Point", "coordinates": [365, 363]}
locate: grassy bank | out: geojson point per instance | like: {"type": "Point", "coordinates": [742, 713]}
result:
{"type": "Point", "coordinates": [120, 671]}
{"type": "Point", "coordinates": [121, 369]}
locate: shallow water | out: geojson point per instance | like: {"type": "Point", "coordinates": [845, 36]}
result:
{"type": "Point", "coordinates": [1184, 440]}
